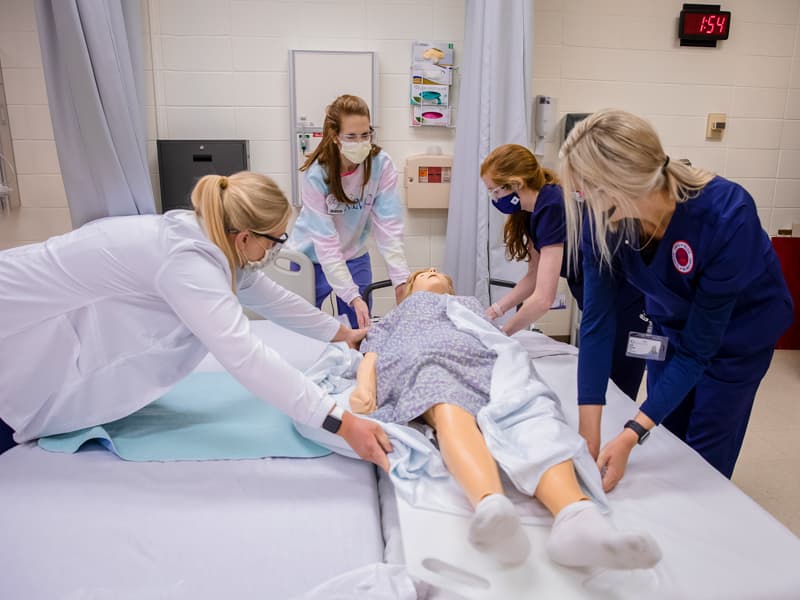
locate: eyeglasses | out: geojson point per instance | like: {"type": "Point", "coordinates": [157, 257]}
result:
{"type": "Point", "coordinates": [357, 137]}
{"type": "Point", "coordinates": [277, 240]}
{"type": "Point", "coordinates": [495, 193]}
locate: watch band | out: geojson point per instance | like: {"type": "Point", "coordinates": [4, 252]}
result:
{"type": "Point", "coordinates": [639, 430]}
{"type": "Point", "coordinates": [333, 420]}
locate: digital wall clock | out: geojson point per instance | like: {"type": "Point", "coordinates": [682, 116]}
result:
{"type": "Point", "coordinates": [703, 25]}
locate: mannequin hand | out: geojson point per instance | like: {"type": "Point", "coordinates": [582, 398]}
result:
{"type": "Point", "coordinates": [362, 311]}
{"type": "Point", "coordinates": [363, 400]}
{"type": "Point", "coordinates": [398, 292]}
{"type": "Point", "coordinates": [367, 439]}
{"type": "Point", "coordinates": [614, 458]}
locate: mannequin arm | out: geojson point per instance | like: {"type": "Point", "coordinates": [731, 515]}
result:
{"type": "Point", "coordinates": [363, 399]}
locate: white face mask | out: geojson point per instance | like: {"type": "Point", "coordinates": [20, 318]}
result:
{"type": "Point", "coordinates": [269, 259]}
{"type": "Point", "coordinates": [356, 152]}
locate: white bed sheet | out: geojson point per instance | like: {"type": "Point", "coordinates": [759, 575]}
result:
{"type": "Point", "coordinates": [90, 525]}
{"type": "Point", "coordinates": [716, 541]}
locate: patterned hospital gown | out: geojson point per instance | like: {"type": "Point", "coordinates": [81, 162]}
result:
{"type": "Point", "coordinates": [424, 360]}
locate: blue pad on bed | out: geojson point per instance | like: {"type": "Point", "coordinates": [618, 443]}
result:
{"type": "Point", "coordinates": [207, 416]}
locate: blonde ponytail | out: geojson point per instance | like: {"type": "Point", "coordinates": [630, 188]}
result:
{"type": "Point", "coordinates": [244, 201]}
{"type": "Point", "coordinates": [615, 159]}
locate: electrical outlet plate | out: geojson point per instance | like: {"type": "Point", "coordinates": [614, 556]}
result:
{"type": "Point", "coordinates": [713, 131]}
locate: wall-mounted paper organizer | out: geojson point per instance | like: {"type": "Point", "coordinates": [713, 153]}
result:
{"type": "Point", "coordinates": [431, 77]}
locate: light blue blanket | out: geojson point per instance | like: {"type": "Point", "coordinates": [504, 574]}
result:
{"type": "Point", "coordinates": [207, 416]}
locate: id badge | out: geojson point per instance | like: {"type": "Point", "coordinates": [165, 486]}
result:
{"type": "Point", "coordinates": [334, 206]}
{"type": "Point", "coordinates": [647, 346]}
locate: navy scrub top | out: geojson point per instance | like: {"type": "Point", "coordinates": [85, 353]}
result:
{"type": "Point", "coordinates": [714, 287]}
{"type": "Point", "coordinates": [548, 226]}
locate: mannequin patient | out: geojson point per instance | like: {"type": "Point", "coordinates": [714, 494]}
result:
{"type": "Point", "coordinates": [418, 365]}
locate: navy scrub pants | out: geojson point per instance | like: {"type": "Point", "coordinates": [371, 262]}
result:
{"type": "Point", "coordinates": [361, 270]}
{"type": "Point", "coordinates": [713, 417]}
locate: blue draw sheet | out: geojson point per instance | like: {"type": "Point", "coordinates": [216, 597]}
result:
{"type": "Point", "coordinates": [207, 416]}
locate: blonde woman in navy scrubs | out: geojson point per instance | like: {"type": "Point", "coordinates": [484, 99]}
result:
{"type": "Point", "coordinates": [713, 287]}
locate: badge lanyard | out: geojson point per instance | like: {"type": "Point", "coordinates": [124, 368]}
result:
{"type": "Point", "coordinates": [646, 345]}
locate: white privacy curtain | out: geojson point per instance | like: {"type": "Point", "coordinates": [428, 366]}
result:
{"type": "Point", "coordinates": [91, 50]}
{"type": "Point", "coordinates": [493, 109]}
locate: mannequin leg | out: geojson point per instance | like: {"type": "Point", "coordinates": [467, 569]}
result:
{"type": "Point", "coordinates": [495, 528]}
{"type": "Point", "coordinates": [464, 451]}
{"type": "Point", "coordinates": [559, 487]}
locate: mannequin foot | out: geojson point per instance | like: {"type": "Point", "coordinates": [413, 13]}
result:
{"type": "Point", "coordinates": [496, 530]}
{"type": "Point", "coordinates": [583, 537]}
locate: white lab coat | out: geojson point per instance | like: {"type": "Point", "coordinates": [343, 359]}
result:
{"type": "Point", "coordinates": [99, 322]}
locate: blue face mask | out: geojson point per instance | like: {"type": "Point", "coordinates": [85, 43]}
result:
{"type": "Point", "coordinates": [508, 204]}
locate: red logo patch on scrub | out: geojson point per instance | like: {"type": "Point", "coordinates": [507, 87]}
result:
{"type": "Point", "coordinates": [682, 257]}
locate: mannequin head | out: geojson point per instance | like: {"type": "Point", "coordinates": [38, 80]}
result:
{"type": "Point", "coordinates": [428, 280]}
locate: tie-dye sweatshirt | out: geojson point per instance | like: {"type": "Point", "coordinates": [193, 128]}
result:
{"type": "Point", "coordinates": [330, 232]}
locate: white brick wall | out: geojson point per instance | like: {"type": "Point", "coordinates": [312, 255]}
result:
{"type": "Point", "coordinates": [626, 54]}
{"type": "Point", "coordinates": [219, 69]}
{"type": "Point", "coordinates": [34, 151]}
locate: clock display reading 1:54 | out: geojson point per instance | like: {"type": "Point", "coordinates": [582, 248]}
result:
{"type": "Point", "coordinates": [705, 25]}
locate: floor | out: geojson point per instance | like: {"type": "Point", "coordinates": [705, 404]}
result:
{"type": "Point", "coordinates": [769, 465]}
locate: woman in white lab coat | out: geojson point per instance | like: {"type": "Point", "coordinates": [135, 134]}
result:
{"type": "Point", "coordinates": [99, 322]}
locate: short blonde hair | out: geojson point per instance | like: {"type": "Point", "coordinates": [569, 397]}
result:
{"type": "Point", "coordinates": [615, 158]}
{"type": "Point", "coordinates": [413, 277]}
{"type": "Point", "coordinates": [245, 201]}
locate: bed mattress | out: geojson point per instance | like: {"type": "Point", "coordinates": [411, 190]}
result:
{"type": "Point", "coordinates": [90, 525]}
{"type": "Point", "coordinates": [716, 541]}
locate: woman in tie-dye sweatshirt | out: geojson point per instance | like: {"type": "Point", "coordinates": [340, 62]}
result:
{"type": "Point", "coordinates": [349, 191]}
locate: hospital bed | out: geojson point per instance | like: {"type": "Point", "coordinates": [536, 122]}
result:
{"type": "Point", "coordinates": [90, 525]}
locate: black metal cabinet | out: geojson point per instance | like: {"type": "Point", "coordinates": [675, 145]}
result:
{"type": "Point", "coordinates": [182, 162]}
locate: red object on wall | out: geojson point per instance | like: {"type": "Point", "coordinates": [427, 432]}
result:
{"type": "Point", "coordinates": [788, 249]}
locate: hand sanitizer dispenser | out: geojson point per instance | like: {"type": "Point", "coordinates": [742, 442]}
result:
{"type": "Point", "coordinates": [427, 179]}
{"type": "Point", "coordinates": [544, 121]}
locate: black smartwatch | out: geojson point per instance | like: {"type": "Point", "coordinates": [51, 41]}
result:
{"type": "Point", "coordinates": [333, 420]}
{"type": "Point", "coordinates": [639, 430]}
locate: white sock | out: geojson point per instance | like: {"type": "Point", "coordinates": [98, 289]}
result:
{"type": "Point", "coordinates": [583, 537]}
{"type": "Point", "coordinates": [496, 530]}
